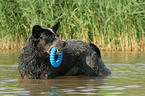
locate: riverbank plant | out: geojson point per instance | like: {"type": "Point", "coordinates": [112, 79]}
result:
{"type": "Point", "coordinates": [110, 24]}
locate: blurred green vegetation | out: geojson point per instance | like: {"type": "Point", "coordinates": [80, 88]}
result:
{"type": "Point", "coordinates": [110, 24]}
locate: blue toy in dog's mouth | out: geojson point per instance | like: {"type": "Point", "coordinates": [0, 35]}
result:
{"type": "Point", "coordinates": [52, 57]}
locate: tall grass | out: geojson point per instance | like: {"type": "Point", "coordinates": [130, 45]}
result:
{"type": "Point", "coordinates": [110, 24]}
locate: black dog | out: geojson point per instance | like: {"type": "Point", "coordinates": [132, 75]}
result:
{"type": "Point", "coordinates": [79, 57]}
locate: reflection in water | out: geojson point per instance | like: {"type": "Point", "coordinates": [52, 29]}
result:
{"type": "Point", "coordinates": [127, 78]}
{"type": "Point", "coordinates": [62, 85]}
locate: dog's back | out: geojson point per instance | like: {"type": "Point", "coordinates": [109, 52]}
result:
{"type": "Point", "coordinates": [82, 58]}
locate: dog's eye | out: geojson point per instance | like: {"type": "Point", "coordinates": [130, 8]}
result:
{"type": "Point", "coordinates": [41, 37]}
{"type": "Point", "coordinates": [57, 35]}
{"type": "Point", "coordinates": [46, 39]}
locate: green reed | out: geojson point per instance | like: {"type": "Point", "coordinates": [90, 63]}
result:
{"type": "Point", "coordinates": [110, 24]}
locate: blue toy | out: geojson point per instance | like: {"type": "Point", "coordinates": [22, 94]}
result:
{"type": "Point", "coordinates": [52, 57]}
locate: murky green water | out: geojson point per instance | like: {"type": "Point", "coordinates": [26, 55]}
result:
{"type": "Point", "coordinates": [128, 78]}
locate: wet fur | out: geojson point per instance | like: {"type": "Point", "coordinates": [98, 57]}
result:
{"type": "Point", "coordinates": [79, 57]}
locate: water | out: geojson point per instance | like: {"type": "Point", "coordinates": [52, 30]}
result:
{"type": "Point", "coordinates": [128, 78]}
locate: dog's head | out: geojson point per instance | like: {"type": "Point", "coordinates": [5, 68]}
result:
{"type": "Point", "coordinates": [47, 38]}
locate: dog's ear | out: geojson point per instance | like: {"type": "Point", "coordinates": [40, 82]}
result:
{"type": "Point", "coordinates": [36, 31]}
{"type": "Point", "coordinates": [55, 27]}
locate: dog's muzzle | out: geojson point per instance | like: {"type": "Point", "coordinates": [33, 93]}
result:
{"type": "Point", "coordinates": [58, 45]}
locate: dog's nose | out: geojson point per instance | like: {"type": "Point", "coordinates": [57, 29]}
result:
{"type": "Point", "coordinates": [58, 52]}
{"type": "Point", "coordinates": [64, 44]}
{"type": "Point", "coordinates": [58, 44]}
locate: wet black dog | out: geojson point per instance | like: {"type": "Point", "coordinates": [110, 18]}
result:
{"type": "Point", "coordinates": [79, 57]}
